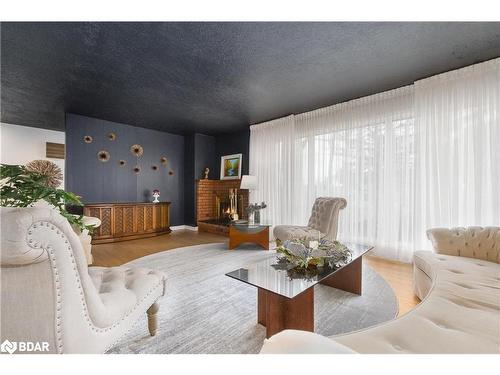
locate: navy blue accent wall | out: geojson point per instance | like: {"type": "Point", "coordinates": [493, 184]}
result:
{"type": "Point", "coordinates": [205, 156]}
{"type": "Point", "coordinates": [200, 153]}
{"type": "Point", "coordinates": [233, 143]}
{"type": "Point", "coordinates": [189, 185]}
{"type": "Point", "coordinates": [96, 181]}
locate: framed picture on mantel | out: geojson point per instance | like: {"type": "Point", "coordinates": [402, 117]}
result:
{"type": "Point", "coordinates": [230, 167]}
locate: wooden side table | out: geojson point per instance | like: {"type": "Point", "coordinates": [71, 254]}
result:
{"type": "Point", "coordinates": [245, 232]}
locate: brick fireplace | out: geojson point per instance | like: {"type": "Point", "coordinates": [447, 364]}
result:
{"type": "Point", "coordinates": [212, 203]}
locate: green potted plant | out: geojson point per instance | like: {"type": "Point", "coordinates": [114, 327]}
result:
{"type": "Point", "coordinates": [23, 186]}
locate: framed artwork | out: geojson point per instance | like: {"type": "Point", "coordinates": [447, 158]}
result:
{"type": "Point", "coordinates": [230, 167]}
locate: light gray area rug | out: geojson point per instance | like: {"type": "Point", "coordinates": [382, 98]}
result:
{"type": "Point", "coordinates": [204, 311]}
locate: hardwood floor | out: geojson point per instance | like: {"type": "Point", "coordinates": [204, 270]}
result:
{"type": "Point", "coordinates": [115, 254]}
{"type": "Point", "coordinates": [400, 278]}
{"type": "Point", "coordinates": [398, 275]}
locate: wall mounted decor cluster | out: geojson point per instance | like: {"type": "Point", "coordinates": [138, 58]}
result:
{"type": "Point", "coordinates": [136, 150]}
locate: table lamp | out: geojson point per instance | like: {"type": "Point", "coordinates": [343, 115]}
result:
{"type": "Point", "coordinates": [249, 183]}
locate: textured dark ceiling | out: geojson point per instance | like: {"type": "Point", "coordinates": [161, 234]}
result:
{"type": "Point", "coordinates": [218, 77]}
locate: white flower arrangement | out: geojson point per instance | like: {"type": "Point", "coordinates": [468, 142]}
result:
{"type": "Point", "coordinates": [306, 253]}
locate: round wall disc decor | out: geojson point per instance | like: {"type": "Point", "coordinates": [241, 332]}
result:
{"type": "Point", "coordinates": [87, 139]}
{"type": "Point", "coordinates": [171, 173]}
{"type": "Point", "coordinates": [163, 160]}
{"type": "Point", "coordinates": [154, 167]}
{"type": "Point", "coordinates": [103, 156]}
{"type": "Point", "coordinates": [122, 162]}
{"type": "Point", "coordinates": [137, 169]}
{"type": "Point", "coordinates": [111, 136]}
{"type": "Point", "coordinates": [136, 150]}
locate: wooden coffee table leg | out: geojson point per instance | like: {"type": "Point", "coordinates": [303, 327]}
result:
{"type": "Point", "coordinates": [278, 313]}
{"type": "Point", "coordinates": [348, 278]}
{"type": "Point", "coordinates": [261, 306]}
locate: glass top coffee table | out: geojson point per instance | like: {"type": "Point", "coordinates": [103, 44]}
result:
{"type": "Point", "coordinates": [285, 297]}
{"type": "Point", "coordinates": [244, 231]}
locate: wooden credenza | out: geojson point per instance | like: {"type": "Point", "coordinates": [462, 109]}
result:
{"type": "Point", "coordinates": [127, 221]}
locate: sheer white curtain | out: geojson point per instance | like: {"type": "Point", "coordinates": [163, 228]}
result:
{"type": "Point", "coordinates": [360, 150]}
{"type": "Point", "coordinates": [271, 160]}
{"type": "Point", "coordinates": [458, 148]}
{"type": "Point", "coordinates": [406, 160]}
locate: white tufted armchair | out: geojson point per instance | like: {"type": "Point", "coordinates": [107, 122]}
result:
{"type": "Point", "coordinates": [324, 221]}
{"type": "Point", "coordinates": [48, 293]}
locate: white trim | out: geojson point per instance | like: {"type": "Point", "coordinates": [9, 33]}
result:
{"type": "Point", "coordinates": [181, 227]}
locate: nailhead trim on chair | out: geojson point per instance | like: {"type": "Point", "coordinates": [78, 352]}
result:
{"type": "Point", "coordinates": [49, 249]}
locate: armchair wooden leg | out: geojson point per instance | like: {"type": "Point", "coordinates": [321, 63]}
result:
{"type": "Point", "coordinates": [152, 320]}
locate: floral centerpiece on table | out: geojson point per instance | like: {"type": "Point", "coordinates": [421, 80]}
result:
{"type": "Point", "coordinates": [306, 256]}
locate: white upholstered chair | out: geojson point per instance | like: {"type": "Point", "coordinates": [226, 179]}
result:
{"type": "Point", "coordinates": [324, 221]}
{"type": "Point", "coordinates": [49, 294]}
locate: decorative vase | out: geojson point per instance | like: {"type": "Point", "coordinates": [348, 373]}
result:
{"type": "Point", "coordinates": [256, 216]}
{"type": "Point", "coordinates": [156, 195]}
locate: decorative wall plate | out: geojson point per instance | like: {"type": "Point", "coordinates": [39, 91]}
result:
{"type": "Point", "coordinates": [136, 150]}
{"type": "Point", "coordinates": [154, 167]}
{"type": "Point", "coordinates": [103, 156]}
{"type": "Point", "coordinates": [111, 136]}
{"type": "Point", "coordinates": [137, 169]}
{"type": "Point", "coordinates": [88, 139]}
{"type": "Point", "coordinates": [122, 162]}
{"type": "Point", "coordinates": [171, 173]}
{"type": "Point", "coordinates": [163, 160]}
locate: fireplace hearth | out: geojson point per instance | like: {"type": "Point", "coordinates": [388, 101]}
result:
{"type": "Point", "coordinates": [223, 206]}
{"type": "Point", "coordinates": [213, 206]}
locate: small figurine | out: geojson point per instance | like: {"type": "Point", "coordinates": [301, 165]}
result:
{"type": "Point", "coordinates": [156, 195]}
{"type": "Point", "coordinates": [207, 170]}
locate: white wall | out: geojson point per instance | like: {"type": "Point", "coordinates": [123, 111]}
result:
{"type": "Point", "coordinates": [22, 144]}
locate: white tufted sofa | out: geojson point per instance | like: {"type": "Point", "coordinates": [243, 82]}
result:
{"type": "Point", "coordinates": [324, 221]}
{"type": "Point", "coordinates": [460, 311]}
{"type": "Point", "coordinates": [48, 293]}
